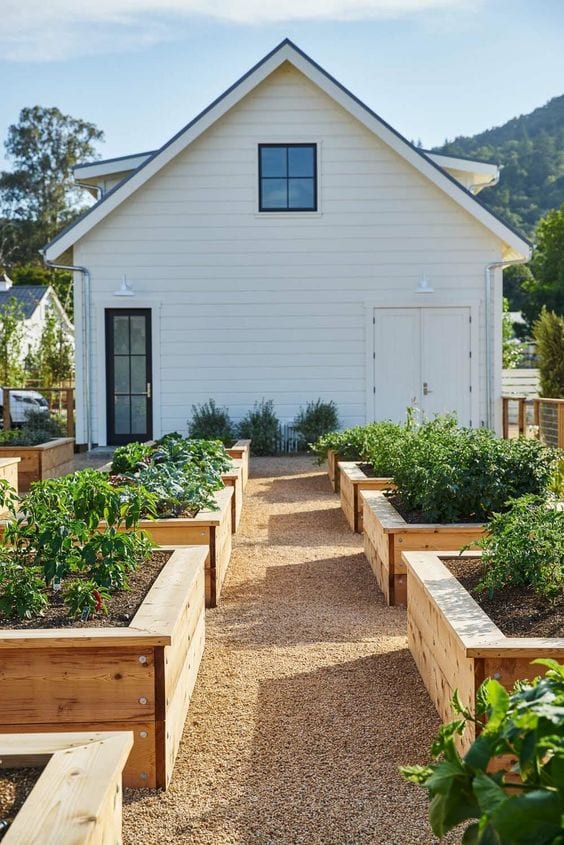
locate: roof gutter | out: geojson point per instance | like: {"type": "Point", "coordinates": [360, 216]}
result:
{"type": "Point", "coordinates": [86, 335]}
{"type": "Point", "coordinates": [494, 265]}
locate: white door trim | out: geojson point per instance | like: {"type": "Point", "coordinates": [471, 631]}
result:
{"type": "Point", "coordinates": [446, 299]}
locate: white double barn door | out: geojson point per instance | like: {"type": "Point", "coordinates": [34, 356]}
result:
{"type": "Point", "coordinates": [422, 359]}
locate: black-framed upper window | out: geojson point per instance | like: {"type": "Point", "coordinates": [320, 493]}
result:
{"type": "Point", "coordinates": [287, 177]}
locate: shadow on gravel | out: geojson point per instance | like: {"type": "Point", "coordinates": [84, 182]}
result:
{"type": "Point", "coordinates": [331, 600]}
{"type": "Point", "coordinates": [326, 752]}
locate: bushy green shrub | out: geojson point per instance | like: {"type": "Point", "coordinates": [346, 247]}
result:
{"type": "Point", "coordinates": [53, 539]}
{"type": "Point", "coordinates": [383, 447]}
{"type": "Point", "coordinates": [451, 474]}
{"type": "Point", "coordinates": [262, 427]}
{"type": "Point", "coordinates": [209, 422]}
{"type": "Point", "coordinates": [525, 547]}
{"type": "Point", "coordinates": [130, 457]}
{"type": "Point", "coordinates": [315, 420]}
{"type": "Point", "coordinates": [499, 801]}
{"type": "Point", "coordinates": [548, 332]}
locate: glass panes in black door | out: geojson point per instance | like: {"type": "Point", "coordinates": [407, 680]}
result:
{"type": "Point", "coordinates": [128, 353]}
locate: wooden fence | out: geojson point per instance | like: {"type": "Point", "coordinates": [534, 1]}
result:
{"type": "Point", "coordinates": [64, 393]}
{"type": "Point", "coordinates": [549, 416]}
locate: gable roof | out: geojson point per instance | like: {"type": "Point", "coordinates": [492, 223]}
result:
{"type": "Point", "coordinates": [27, 296]}
{"type": "Point", "coordinates": [287, 51]}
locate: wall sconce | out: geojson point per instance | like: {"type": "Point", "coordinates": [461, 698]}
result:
{"type": "Point", "coordinates": [125, 289]}
{"type": "Point", "coordinates": [423, 285]}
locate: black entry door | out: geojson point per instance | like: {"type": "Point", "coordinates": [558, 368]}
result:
{"type": "Point", "coordinates": [129, 375]}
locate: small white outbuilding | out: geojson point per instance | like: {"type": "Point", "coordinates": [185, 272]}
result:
{"type": "Point", "coordinates": [286, 244]}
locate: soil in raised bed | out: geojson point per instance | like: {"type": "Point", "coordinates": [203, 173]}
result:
{"type": "Point", "coordinates": [419, 518]}
{"type": "Point", "coordinates": [15, 786]}
{"type": "Point", "coordinates": [517, 611]}
{"type": "Point", "coordinates": [122, 606]}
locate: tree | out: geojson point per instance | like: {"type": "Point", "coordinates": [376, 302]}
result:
{"type": "Point", "coordinates": [38, 274]}
{"type": "Point", "coordinates": [512, 349]}
{"type": "Point", "coordinates": [53, 360]}
{"type": "Point", "coordinates": [549, 335]}
{"type": "Point", "coordinates": [11, 341]}
{"type": "Point", "coordinates": [39, 195]}
{"type": "Point", "coordinates": [548, 265]}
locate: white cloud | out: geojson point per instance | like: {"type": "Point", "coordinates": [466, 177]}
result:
{"type": "Point", "coordinates": [47, 30]}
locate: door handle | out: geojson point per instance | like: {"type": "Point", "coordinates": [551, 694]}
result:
{"type": "Point", "coordinates": [426, 390]}
{"type": "Point", "coordinates": [148, 390]}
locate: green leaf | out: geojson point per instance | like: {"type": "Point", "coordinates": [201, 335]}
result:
{"type": "Point", "coordinates": [480, 752]}
{"type": "Point", "coordinates": [498, 701]}
{"type": "Point", "coordinates": [488, 793]}
{"type": "Point", "coordinates": [532, 819]}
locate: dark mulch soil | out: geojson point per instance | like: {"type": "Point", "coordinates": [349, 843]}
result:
{"type": "Point", "coordinates": [516, 611]}
{"type": "Point", "coordinates": [121, 608]}
{"type": "Point", "coordinates": [419, 517]}
{"type": "Point", "coordinates": [15, 786]}
{"type": "Point", "coordinates": [368, 470]}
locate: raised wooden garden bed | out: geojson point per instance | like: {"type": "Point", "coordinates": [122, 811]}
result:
{"type": "Point", "coordinates": [137, 678]}
{"type": "Point", "coordinates": [234, 478]}
{"type": "Point", "coordinates": [9, 472]}
{"type": "Point", "coordinates": [352, 481]}
{"type": "Point", "coordinates": [78, 796]}
{"type": "Point", "coordinates": [387, 535]}
{"type": "Point", "coordinates": [241, 450]}
{"type": "Point", "coordinates": [333, 460]}
{"type": "Point", "coordinates": [47, 460]}
{"type": "Point", "coordinates": [454, 642]}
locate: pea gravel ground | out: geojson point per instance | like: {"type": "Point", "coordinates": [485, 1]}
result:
{"type": "Point", "coordinates": [307, 698]}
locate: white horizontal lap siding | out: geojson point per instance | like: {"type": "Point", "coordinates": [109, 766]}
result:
{"type": "Point", "coordinates": [270, 305]}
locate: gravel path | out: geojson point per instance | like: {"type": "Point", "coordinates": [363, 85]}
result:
{"type": "Point", "coordinates": [307, 698]}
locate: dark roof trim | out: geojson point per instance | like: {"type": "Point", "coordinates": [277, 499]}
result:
{"type": "Point", "coordinates": [117, 158]}
{"type": "Point", "coordinates": [255, 67]}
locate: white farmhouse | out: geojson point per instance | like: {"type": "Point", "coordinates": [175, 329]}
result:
{"type": "Point", "coordinates": [286, 244]}
{"type": "Point", "coordinates": [35, 303]}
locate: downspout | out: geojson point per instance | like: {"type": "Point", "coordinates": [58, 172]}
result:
{"type": "Point", "coordinates": [494, 265]}
{"type": "Point", "coordinates": [86, 335]}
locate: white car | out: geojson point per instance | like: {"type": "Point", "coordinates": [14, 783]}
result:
{"type": "Point", "coordinates": [21, 403]}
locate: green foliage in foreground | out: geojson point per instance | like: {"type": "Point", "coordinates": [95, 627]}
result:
{"type": "Point", "coordinates": [372, 443]}
{"type": "Point", "coordinates": [525, 547]}
{"type": "Point", "coordinates": [450, 474]}
{"type": "Point", "coordinates": [521, 804]}
{"type": "Point", "coordinates": [549, 335]}
{"type": "Point", "coordinates": [52, 541]}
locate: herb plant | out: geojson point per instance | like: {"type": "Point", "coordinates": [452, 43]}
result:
{"type": "Point", "coordinates": [377, 443]}
{"type": "Point", "coordinates": [505, 803]}
{"type": "Point", "coordinates": [176, 491]}
{"type": "Point", "coordinates": [130, 457]}
{"type": "Point", "coordinates": [261, 425]}
{"type": "Point", "coordinates": [210, 422]}
{"type": "Point", "coordinates": [315, 420]}
{"type": "Point", "coordinates": [525, 547]}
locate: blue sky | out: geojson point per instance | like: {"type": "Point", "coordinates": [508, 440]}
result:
{"type": "Point", "coordinates": [141, 69]}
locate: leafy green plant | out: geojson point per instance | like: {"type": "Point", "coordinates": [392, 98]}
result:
{"type": "Point", "coordinates": [261, 425]}
{"type": "Point", "coordinates": [505, 803]}
{"type": "Point", "coordinates": [450, 473]}
{"type": "Point", "coordinates": [315, 420]}
{"type": "Point", "coordinates": [175, 491]}
{"type": "Point", "coordinates": [524, 547]}
{"type": "Point", "coordinates": [21, 588]}
{"type": "Point", "coordinates": [548, 332]}
{"type": "Point", "coordinates": [383, 447]}
{"type": "Point", "coordinates": [208, 456]}
{"type": "Point", "coordinates": [211, 422]}
{"type": "Point", "coordinates": [85, 597]}
{"type": "Point", "coordinates": [39, 427]}
{"type": "Point", "coordinates": [130, 457]}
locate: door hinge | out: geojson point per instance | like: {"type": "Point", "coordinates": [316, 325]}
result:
{"type": "Point", "coordinates": [470, 318]}
{"type": "Point", "coordinates": [374, 355]}
{"type": "Point", "coordinates": [374, 391]}
{"type": "Point", "coordinates": [470, 388]}
{"type": "Point", "coordinates": [373, 321]}
{"type": "Point", "coordinates": [470, 354]}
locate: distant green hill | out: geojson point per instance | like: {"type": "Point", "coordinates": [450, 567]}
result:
{"type": "Point", "coordinates": [531, 150]}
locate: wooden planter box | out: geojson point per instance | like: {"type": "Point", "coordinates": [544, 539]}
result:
{"type": "Point", "coordinates": [234, 478]}
{"type": "Point", "coordinates": [333, 460]}
{"type": "Point", "coordinates": [78, 796]}
{"type": "Point", "coordinates": [48, 460]}
{"type": "Point", "coordinates": [138, 678]}
{"type": "Point", "coordinates": [454, 642]}
{"type": "Point", "coordinates": [208, 528]}
{"type": "Point", "coordinates": [9, 472]}
{"type": "Point", "coordinates": [352, 481]}
{"type": "Point", "coordinates": [387, 535]}
{"type": "Point", "coordinates": [241, 450]}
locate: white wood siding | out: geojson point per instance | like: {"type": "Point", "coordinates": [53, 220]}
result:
{"type": "Point", "coordinates": [256, 305]}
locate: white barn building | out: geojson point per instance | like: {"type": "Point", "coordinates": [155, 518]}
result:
{"type": "Point", "coordinates": [286, 244]}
